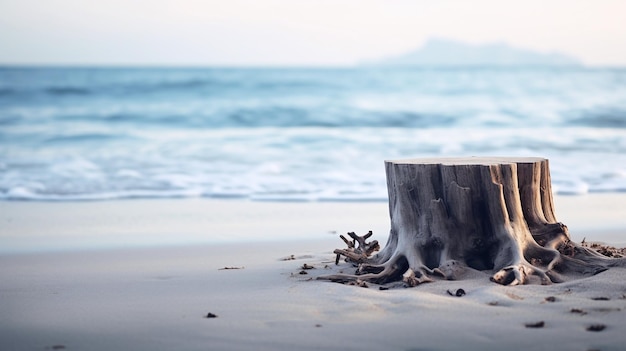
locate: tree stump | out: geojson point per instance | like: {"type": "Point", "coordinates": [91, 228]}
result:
{"type": "Point", "coordinates": [452, 214]}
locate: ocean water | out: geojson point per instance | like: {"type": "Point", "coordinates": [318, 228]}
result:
{"type": "Point", "coordinates": [296, 134]}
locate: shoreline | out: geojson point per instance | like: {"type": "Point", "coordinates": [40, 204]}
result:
{"type": "Point", "coordinates": [82, 277]}
{"type": "Point", "coordinates": [118, 224]}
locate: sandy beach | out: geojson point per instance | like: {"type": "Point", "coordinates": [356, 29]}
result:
{"type": "Point", "coordinates": [144, 275]}
{"type": "Point", "coordinates": [183, 176]}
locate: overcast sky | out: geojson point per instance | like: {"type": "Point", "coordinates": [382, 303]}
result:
{"type": "Point", "coordinates": [297, 32]}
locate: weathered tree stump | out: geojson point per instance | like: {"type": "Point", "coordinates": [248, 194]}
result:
{"type": "Point", "coordinates": [494, 214]}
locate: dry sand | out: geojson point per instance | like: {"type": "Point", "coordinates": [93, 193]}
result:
{"type": "Point", "coordinates": [143, 275]}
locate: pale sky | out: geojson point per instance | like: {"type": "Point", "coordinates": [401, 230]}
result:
{"type": "Point", "coordinates": [297, 32]}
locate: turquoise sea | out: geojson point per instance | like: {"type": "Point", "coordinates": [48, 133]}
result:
{"type": "Point", "coordinates": [296, 134]}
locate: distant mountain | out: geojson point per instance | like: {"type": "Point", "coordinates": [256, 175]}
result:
{"type": "Point", "coordinates": [441, 52]}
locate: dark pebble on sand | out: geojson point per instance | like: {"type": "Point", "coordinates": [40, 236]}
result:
{"type": "Point", "coordinates": [539, 324]}
{"type": "Point", "coordinates": [458, 293]}
{"type": "Point", "coordinates": [596, 327]}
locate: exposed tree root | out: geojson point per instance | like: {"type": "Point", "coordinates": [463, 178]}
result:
{"type": "Point", "coordinates": [547, 265]}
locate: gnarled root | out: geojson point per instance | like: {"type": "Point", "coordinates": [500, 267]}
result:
{"type": "Point", "coordinates": [543, 262]}
{"type": "Point", "coordinates": [394, 270]}
{"type": "Point", "coordinates": [382, 269]}
{"type": "Point", "coordinates": [519, 274]}
{"type": "Point", "coordinates": [411, 279]}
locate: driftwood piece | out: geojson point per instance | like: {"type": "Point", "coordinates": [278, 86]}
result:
{"type": "Point", "coordinates": [359, 249]}
{"type": "Point", "coordinates": [488, 214]}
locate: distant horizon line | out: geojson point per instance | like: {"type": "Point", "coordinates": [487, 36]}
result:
{"type": "Point", "coordinates": [300, 66]}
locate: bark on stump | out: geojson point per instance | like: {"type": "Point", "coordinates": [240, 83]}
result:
{"type": "Point", "coordinates": [450, 214]}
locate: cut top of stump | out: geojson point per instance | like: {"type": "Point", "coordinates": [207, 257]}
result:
{"type": "Point", "coordinates": [451, 161]}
